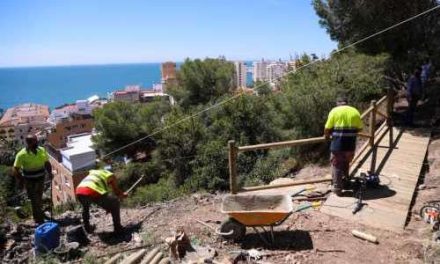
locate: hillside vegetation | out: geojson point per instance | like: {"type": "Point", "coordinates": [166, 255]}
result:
{"type": "Point", "coordinates": [187, 151]}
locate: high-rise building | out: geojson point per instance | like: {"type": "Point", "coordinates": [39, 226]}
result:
{"type": "Point", "coordinates": [275, 71]}
{"type": "Point", "coordinates": [259, 71]}
{"type": "Point", "coordinates": [241, 74]}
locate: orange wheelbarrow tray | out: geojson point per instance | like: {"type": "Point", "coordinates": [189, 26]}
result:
{"type": "Point", "coordinates": [256, 211]}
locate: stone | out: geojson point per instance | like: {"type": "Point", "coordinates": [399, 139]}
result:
{"type": "Point", "coordinates": [436, 237]}
{"type": "Point", "coordinates": [77, 234]}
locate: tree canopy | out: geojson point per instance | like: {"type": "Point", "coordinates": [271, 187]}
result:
{"type": "Point", "coordinates": [118, 124]}
{"type": "Point", "coordinates": [201, 81]}
{"type": "Point", "coordinates": [348, 21]}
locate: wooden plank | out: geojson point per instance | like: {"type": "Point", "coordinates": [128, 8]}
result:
{"type": "Point", "coordinates": [282, 144]}
{"type": "Point", "coordinates": [328, 178]}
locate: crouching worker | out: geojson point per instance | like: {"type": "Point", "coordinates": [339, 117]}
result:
{"type": "Point", "coordinates": [94, 189]}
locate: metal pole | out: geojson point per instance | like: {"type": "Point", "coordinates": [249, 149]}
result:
{"type": "Point", "coordinates": [233, 166]}
{"type": "Point", "coordinates": [135, 184]}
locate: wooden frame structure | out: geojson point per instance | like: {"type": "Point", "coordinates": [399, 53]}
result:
{"type": "Point", "coordinates": [374, 135]}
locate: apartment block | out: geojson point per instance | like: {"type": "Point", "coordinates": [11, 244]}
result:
{"type": "Point", "coordinates": [259, 71]}
{"type": "Point", "coordinates": [275, 71]}
{"type": "Point", "coordinates": [24, 119]}
{"type": "Point", "coordinates": [130, 94]}
{"type": "Point", "coordinates": [80, 107]}
{"type": "Point", "coordinates": [58, 135]}
{"type": "Point", "coordinates": [240, 74]}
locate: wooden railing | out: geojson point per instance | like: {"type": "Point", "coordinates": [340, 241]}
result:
{"type": "Point", "coordinates": [374, 135]}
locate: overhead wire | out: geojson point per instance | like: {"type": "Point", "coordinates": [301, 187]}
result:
{"type": "Point", "coordinates": [293, 71]}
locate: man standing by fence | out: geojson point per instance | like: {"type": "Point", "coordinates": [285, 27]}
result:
{"type": "Point", "coordinates": [343, 124]}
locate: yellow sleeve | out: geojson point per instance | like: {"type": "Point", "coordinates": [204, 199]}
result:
{"type": "Point", "coordinates": [46, 156]}
{"type": "Point", "coordinates": [358, 121]}
{"type": "Point", "coordinates": [18, 161]}
{"type": "Point", "coordinates": [330, 121]}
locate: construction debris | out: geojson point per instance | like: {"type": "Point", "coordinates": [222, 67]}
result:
{"type": "Point", "coordinates": [156, 258]}
{"type": "Point", "coordinates": [150, 255]}
{"type": "Point", "coordinates": [114, 259]}
{"type": "Point", "coordinates": [179, 244]}
{"type": "Point", "coordinates": [365, 236]}
{"type": "Point", "coordinates": [135, 257]}
{"type": "Point", "coordinates": [201, 255]}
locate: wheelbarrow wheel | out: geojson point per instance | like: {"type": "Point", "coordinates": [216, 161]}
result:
{"type": "Point", "coordinates": [237, 228]}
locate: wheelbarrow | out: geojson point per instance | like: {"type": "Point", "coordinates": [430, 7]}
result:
{"type": "Point", "coordinates": [256, 211]}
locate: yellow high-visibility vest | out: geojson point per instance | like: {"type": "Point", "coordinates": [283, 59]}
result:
{"type": "Point", "coordinates": [97, 180]}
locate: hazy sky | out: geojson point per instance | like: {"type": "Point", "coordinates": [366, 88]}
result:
{"type": "Point", "coordinates": [65, 32]}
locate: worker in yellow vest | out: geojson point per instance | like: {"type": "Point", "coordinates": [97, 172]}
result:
{"type": "Point", "coordinates": [95, 189]}
{"type": "Point", "coordinates": [343, 124]}
{"type": "Point", "coordinates": [31, 166]}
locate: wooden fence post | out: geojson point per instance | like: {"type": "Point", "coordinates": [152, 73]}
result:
{"type": "Point", "coordinates": [390, 109]}
{"type": "Point", "coordinates": [233, 166]}
{"type": "Point", "coordinates": [372, 133]}
{"type": "Point", "coordinates": [372, 123]}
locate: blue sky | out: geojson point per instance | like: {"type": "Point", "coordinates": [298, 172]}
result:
{"type": "Point", "coordinates": [67, 32]}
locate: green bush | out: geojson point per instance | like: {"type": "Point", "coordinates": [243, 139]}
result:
{"type": "Point", "coordinates": [162, 191]}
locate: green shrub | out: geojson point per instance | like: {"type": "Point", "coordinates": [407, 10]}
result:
{"type": "Point", "coordinates": [162, 191]}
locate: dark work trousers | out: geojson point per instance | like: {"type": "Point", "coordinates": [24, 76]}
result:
{"type": "Point", "coordinates": [412, 105]}
{"type": "Point", "coordinates": [106, 201]}
{"type": "Point", "coordinates": [34, 189]}
{"type": "Point", "coordinates": [340, 161]}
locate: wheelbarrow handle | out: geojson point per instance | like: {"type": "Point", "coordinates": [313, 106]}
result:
{"type": "Point", "coordinates": [218, 232]}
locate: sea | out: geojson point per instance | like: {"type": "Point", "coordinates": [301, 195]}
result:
{"type": "Point", "coordinates": [58, 85]}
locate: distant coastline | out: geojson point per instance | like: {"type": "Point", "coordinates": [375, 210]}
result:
{"type": "Point", "coordinates": [80, 65]}
{"type": "Point", "coordinates": [58, 85]}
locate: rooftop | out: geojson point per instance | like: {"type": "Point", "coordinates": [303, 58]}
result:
{"type": "Point", "coordinates": [24, 113]}
{"type": "Point", "coordinates": [78, 144]}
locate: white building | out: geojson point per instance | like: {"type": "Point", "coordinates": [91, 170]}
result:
{"type": "Point", "coordinates": [275, 71]}
{"type": "Point", "coordinates": [82, 107]}
{"type": "Point", "coordinates": [79, 154]}
{"type": "Point", "coordinates": [259, 71]}
{"type": "Point", "coordinates": [241, 74]}
{"type": "Point", "coordinates": [150, 96]}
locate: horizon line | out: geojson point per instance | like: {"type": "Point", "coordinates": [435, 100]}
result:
{"type": "Point", "coordinates": [123, 63]}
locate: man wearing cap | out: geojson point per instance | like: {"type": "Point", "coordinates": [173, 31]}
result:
{"type": "Point", "coordinates": [343, 124]}
{"type": "Point", "coordinates": [95, 189]}
{"type": "Point", "coordinates": [30, 168]}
